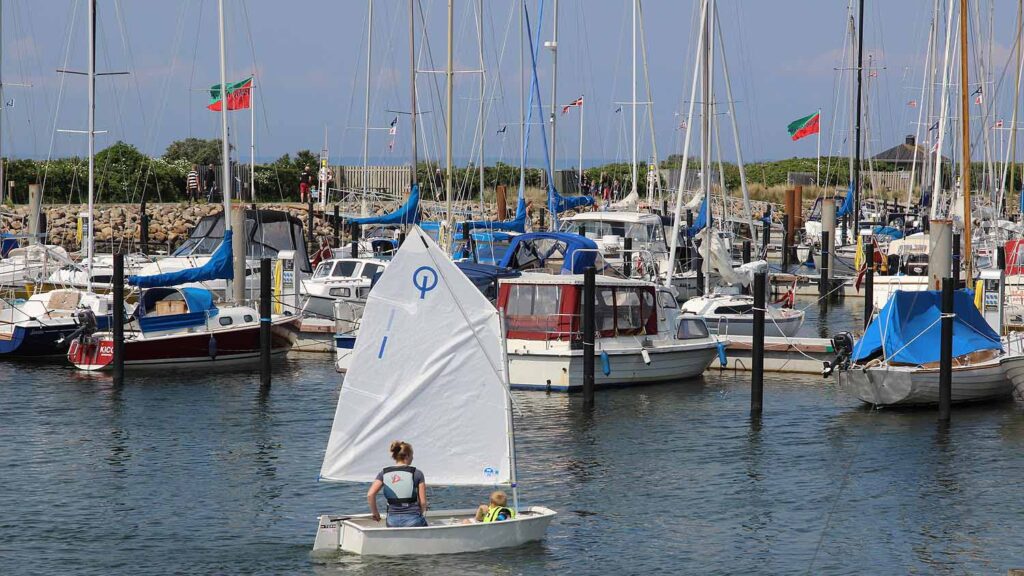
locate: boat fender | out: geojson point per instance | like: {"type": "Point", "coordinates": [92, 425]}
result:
{"type": "Point", "coordinates": [212, 347]}
{"type": "Point", "coordinates": [646, 356]}
{"type": "Point", "coordinates": [721, 355]}
{"type": "Point", "coordinates": [606, 363]}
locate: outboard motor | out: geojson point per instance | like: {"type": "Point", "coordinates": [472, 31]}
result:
{"type": "Point", "coordinates": [86, 319]}
{"type": "Point", "coordinates": [842, 345]}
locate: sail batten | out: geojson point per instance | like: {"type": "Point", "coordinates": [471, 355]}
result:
{"type": "Point", "coordinates": [427, 369]}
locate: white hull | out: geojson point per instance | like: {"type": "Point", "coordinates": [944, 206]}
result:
{"type": "Point", "coordinates": [885, 286]}
{"type": "Point", "coordinates": [905, 385]}
{"type": "Point", "coordinates": [1013, 367]}
{"type": "Point", "coordinates": [445, 534]}
{"type": "Point", "coordinates": [743, 325]}
{"type": "Point", "coordinates": [562, 370]}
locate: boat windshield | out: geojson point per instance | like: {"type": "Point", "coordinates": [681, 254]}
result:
{"type": "Point", "coordinates": [534, 308]}
{"type": "Point", "coordinates": [638, 231]}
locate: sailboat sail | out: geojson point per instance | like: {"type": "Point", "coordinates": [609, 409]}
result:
{"type": "Point", "coordinates": [429, 346]}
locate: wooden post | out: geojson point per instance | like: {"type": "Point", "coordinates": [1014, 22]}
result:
{"type": "Point", "coordinates": [787, 220]}
{"type": "Point", "coordinates": [823, 282]}
{"type": "Point", "coordinates": [766, 232]}
{"type": "Point", "coordinates": [144, 228]}
{"type": "Point", "coordinates": [265, 293]}
{"type": "Point", "coordinates": [956, 262]}
{"type": "Point", "coordinates": [627, 257]}
{"type": "Point", "coordinates": [355, 241]}
{"type": "Point", "coordinates": [946, 351]}
{"type": "Point", "coordinates": [337, 227]}
{"type": "Point", "coordinates": [746, 251]}
{"type": "Point", "coordinates": [589, 297]}
{"type": "Point", "coordinates": [118, 320]}
{"type": "Point", "coordinates": [869, 281]}
{"type": "Point", "coordinates": [499, 199]}
{"type": "Point", "coordinates": [757, 351]}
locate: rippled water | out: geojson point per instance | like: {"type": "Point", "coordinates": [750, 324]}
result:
{"type": "Point", "coordinates": [197, 473]}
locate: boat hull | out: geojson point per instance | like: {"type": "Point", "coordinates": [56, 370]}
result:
{"type": "Point", "coordinates": [1013, 367]}
{"type": "Point", "coordinates": [913, 386]}
{"type": "Point", "coordinates": [797, 355]}
{"type": "Point", "coordinates": [445, 533]}
{"type": "Point", "coordinates": [743, 325]}
{"type": "Point", "coordinates": [562, 370]}
{"type": "Point", "coordinates": [223, 347]}
{"type": "Point", "coordinates": [40, 341]}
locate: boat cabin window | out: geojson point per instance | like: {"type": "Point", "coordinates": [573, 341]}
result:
{"type": "Point", "coordinates": [345, 268]}
{"type": "Point", "coordinates": [533, 308]}
{"type": "Point", "coordinates": [638, 231]}
{"type": "Point", "coordinates": [362, 293]}
{"type": "Point", "coordinates": [248, 318]}
{"type": "Point", "coordinates": [734, 309]}
{"type": "Point", "coordinates": [323, 269]}
{"type": "Point", "coordinates": [341, 292]}
{"type": "Point", "coordinates": [667, 300]}
{"type": "Point", "coordinates": [623, 311]}
{"type": "Point", "coordinates": [225, 320]}
{"type": "Point", "coordinates": [692, 329]}
{"type": "Point", "coordinates": [370, 270]}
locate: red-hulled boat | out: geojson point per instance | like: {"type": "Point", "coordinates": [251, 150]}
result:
{"type": "Point", "coordinates": [173, 326]}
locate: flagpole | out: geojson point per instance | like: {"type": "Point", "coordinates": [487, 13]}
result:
{"type": "Point", "coordinates": [633, 169]}
{"type": "Point", "coordinates": [817, 172]}
{"type": "Point", "coordinates": [92, 142]}
{"type": "Point", "coordinates": [252, 140]}
{"type": "Point", "coordinates": [579, 184]}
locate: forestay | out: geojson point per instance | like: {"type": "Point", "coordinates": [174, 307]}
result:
{"type": "Point", "coordinates": [427, 368]}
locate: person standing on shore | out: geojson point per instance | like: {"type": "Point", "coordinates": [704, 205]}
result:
{"type": "Point", "coordinates": [192, 185]}
{"type": "Point", "coordinates": [210, 183]}
{"type": "Point", "coordinates": [305, 178]}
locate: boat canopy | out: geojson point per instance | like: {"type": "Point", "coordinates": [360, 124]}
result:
{"type": "Point", "coordinates": [198, 307]}
{"type": "Point", "coordinates": [408, 213]}
{"type": "Point", "coordinates": [534, 250]}
{"type": "Point", "coordinates": [218, 267]}
{"type": "Point", "coordinates": [907, 329]}
{"type": "Point", "coordinates": [516, 224]}
{"type": "Point", "coordinates": [267, 233]}
{"type": "Point", "coordinates": [428, 367]}
{"type": "Point", "coordinates": [485, 276]}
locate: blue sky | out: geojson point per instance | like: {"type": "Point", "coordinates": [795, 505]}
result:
{"type": "Point", "coordinates": [310, 57]}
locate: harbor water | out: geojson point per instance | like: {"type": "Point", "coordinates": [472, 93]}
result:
{"type": "Point", "coordinates": [200, 473]}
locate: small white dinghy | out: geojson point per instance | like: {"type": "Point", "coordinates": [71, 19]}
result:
{"type": "Point", "coordinates": [429, 366]}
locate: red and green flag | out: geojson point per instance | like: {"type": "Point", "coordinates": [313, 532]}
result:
{"type": "Point", "coordinates": [239, 95]}
{"type": "Point", "coordinates": [805, 126]}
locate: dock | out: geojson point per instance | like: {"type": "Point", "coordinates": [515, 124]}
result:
{"type": "Point", "coordinates": [794, 355]}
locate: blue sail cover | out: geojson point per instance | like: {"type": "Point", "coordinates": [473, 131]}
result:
{"type": "Point", "coordinates": [847, 205]}
{"type": "Point", "coordinates": [702, 219]}
{"type": "Point", "coordinates": [558, 203]}
{"type": "Point", "coordinates": [529, 248]}
{"type": "Point", "coordinates": [894, 233]}
{"type": "Point", "coordinates": [199, 302]}
{"type": "Point", "coordinates": [516, 224]}
{"type": "Point", "coordinates": [907, 330]}
{"type": "Point", "coordinates": [219, 267]}
{"type": "Point", "coordinates": [409, 213]}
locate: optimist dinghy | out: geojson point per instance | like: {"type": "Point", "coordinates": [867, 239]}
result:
{"type": "Point", "coordinates": [429, 366]}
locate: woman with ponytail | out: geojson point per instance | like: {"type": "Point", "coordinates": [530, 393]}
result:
{"type": "Point", "coordinates": [404, 488]}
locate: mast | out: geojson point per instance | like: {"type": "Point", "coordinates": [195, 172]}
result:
{"type": "Point", "coordinates": [650, 102]}
{"type": "Point", "coordinates": [3, 105]}
{"type": "Point", "coordinates": [1016, 98]}
{"type": "Point", "coordinates": [446, 236]}
{"type": "Point", "coordinates": [857, 123]}
{"type": "Point", "coordinates": [92, 139]}
{"type": "Point", "coordinates": [483, 87]}
{"type": "Point", "coordinates": [522, 101]}
{"type": "Point", "coordinates": [412, 88]}
{"type": "Point", "coordinates": [920, 113]}
{"type": "Point", "coordinates": [965, 142]}
{"type": "Point", "coordinates": [554, 87]}
{"type": "Point", "coordinates": [509, 420]}
{"type": "Point", "coordinates": [943, 104]}
{"type": "Point", "coordinates": [705, 144]}
{"type": "Point", "coordinates": [366, 107]}
{"type": "Point", "coordinates": [633, 168]}
{"type": "Point", "coordinates": [252, 144]}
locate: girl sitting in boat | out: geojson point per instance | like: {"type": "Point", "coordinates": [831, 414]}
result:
{"type": "Point", "coordinates": [404, 488]}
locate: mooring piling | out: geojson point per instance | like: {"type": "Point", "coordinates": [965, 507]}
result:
{"type": "Point", "coordinates": [355, 240]}
{"type": "Point", "coordinates": [265, 294]}
{"type": "Point", "coordinates": [946, 351]}
{"type": "Point", "coordinates": [757, 351]}
{"type": "Point", "coordinates": [589, 296]}
{"type": "Point", "coordinates": [869, 280]}
{"type": "Point", "coordinates": [118, 318]}
{"type": "Point", "coordinates": [627, 256]}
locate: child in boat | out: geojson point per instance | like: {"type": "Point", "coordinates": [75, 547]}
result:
{"type": "Point", "coordinates": [404, 488]}
{"type": "Point", "coordinates": [496, 510]}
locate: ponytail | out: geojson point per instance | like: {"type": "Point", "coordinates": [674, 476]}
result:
{"type": "Point", "coordinates": [400, 451]}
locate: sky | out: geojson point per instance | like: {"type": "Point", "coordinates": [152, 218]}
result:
{"type": "Point", "coordinates": [785, 60]}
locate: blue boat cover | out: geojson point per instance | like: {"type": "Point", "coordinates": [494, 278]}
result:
{"type": "Point", "coordinates": [485, 276]}
{"type": "Point", "coordinates": [894, 233]}
{"type": "Point", "coordinates": [537, 247]}
{"type": "Point", "coordinates": [847, 206]}
{"type": "Point", "coordinates": [219, 267]}
{"type": "Point", "coordinates": [558, 203]}
{"type": "Point", "coordinates": [702, 218]}
{"type": "Point", "coordinates": [409, 213]}
{"type": "Point", "coordinates": [516, 224]}
{"type": "Point", "coordinates": [907, 329]}
{"type": "Point", "coordinates": [7, 243]}
{"type": "Point", "coordinates": [199, 302]}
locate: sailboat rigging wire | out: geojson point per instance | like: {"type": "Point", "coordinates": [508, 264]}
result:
{"type": "Point", "coordinates": [60, 94]}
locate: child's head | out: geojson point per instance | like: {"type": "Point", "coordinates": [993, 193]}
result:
{"type": "Point", "coordinates": [498, 498]}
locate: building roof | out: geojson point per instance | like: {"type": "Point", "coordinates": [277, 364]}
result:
{"type": "Point", "coordinates": [904, 153]}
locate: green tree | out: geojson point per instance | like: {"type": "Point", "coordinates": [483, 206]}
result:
{"type": "Point", "coordinates": [194, 151]}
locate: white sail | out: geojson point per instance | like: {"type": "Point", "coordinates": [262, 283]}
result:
{"type": "Point", "coordinates": [427, 369]}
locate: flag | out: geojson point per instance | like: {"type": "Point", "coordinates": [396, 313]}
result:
{"type": "Point", "coordinates": [682, 125]}
{"type": "Point", "coordinates": [9, 103]}
{"type": "Point", "coordinates": [804, 126]}
{"type": "Point", "coordinates": [239, 95]}
{"type": "Point", "coordinates": [873, 74]}
{"type": "Point", "coordinates": [912, 103]}
{"type": "Point", "coordinates": [391, 145]}
{"type": "Point", "coordinates": [934, 126]}
{"type": "Point", "coordinates": [394, 127]}
{"type": "Point", "coordinates": [977, 95]}
{"type": "Point", "coordinates": [999, 123]}
{"type": "Point", "coordinates": [503, 129]}
{"type": "Point", "coordinates": [935, 147]}
{"type": "Point", "coordinates": [619, 109]}
{"type": "Point", "coordinates": [577, 103]}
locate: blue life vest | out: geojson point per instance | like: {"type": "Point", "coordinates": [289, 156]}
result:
{"type": "Point", "coordinates": [399, 485]}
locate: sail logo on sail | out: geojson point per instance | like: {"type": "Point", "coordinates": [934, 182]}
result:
{"type": "Point", "coordinates": [426, 282]}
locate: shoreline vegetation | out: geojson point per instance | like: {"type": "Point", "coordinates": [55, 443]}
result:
{"type": "Point", "coordinates": [126, 175]}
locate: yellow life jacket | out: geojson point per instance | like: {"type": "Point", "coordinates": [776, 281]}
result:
{"type": "Point", "coordinates": [499, 513]}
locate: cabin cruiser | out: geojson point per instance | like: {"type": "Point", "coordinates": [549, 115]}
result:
{"type": "Point", "coordinates": [733, 315]}
{"type": "Point", "coordinates": [31, 264]}
{"type": "Point", "coordinates": [43, 325]}
{"type": "Point", "coordinates": [77, 275]}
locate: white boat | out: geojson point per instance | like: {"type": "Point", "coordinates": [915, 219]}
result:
{"type": "Point", "coordinates": [77, 275]}
{"type": "Point", "coordinates": [732, 314]}
{"type": "Point", "coordinates": [429, 364]}
{"type": "Point", "coordinates": [639, 338]}
{"type": "Point", "coordinates": [31, 264]}
{"type": "Point", "coordinates": [896, 362]}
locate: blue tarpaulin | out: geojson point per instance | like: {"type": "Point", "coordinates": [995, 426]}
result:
{"type": "Point", "coordinates": [516, 224]}
{"type": "Point", "coordinates": [7, 243]}
{"type": "Point", "coordinates": [701, 220]}
{"type": "Point", "coordinates": [219, 267]}
{"type": "Point", "coordinates": [199, 303]}
{"type": "Point", "coordinates": [847, 206]}
{"type": "Point", "coordinates": [894, 233]}
{"type": "Point", "coordinates": [907, 329]}
{"type": "Point", "coordinates": [408, 213]}
{"type": "Point", "coordinates": [485, 276]}
{"type": "Point", "coordinates": [534, 249]}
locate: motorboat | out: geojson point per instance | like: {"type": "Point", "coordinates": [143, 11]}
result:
{"type": "Point", "coordinates": [896, 362]}
{"type": "Point", "coordinates": [43, 324]}
{"type": "Point", "coordinates": [733, 315]}
{"type": "Point", "coordinates": [430, 344]}
{"type": "Point", "coordinates": [31, 264]}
